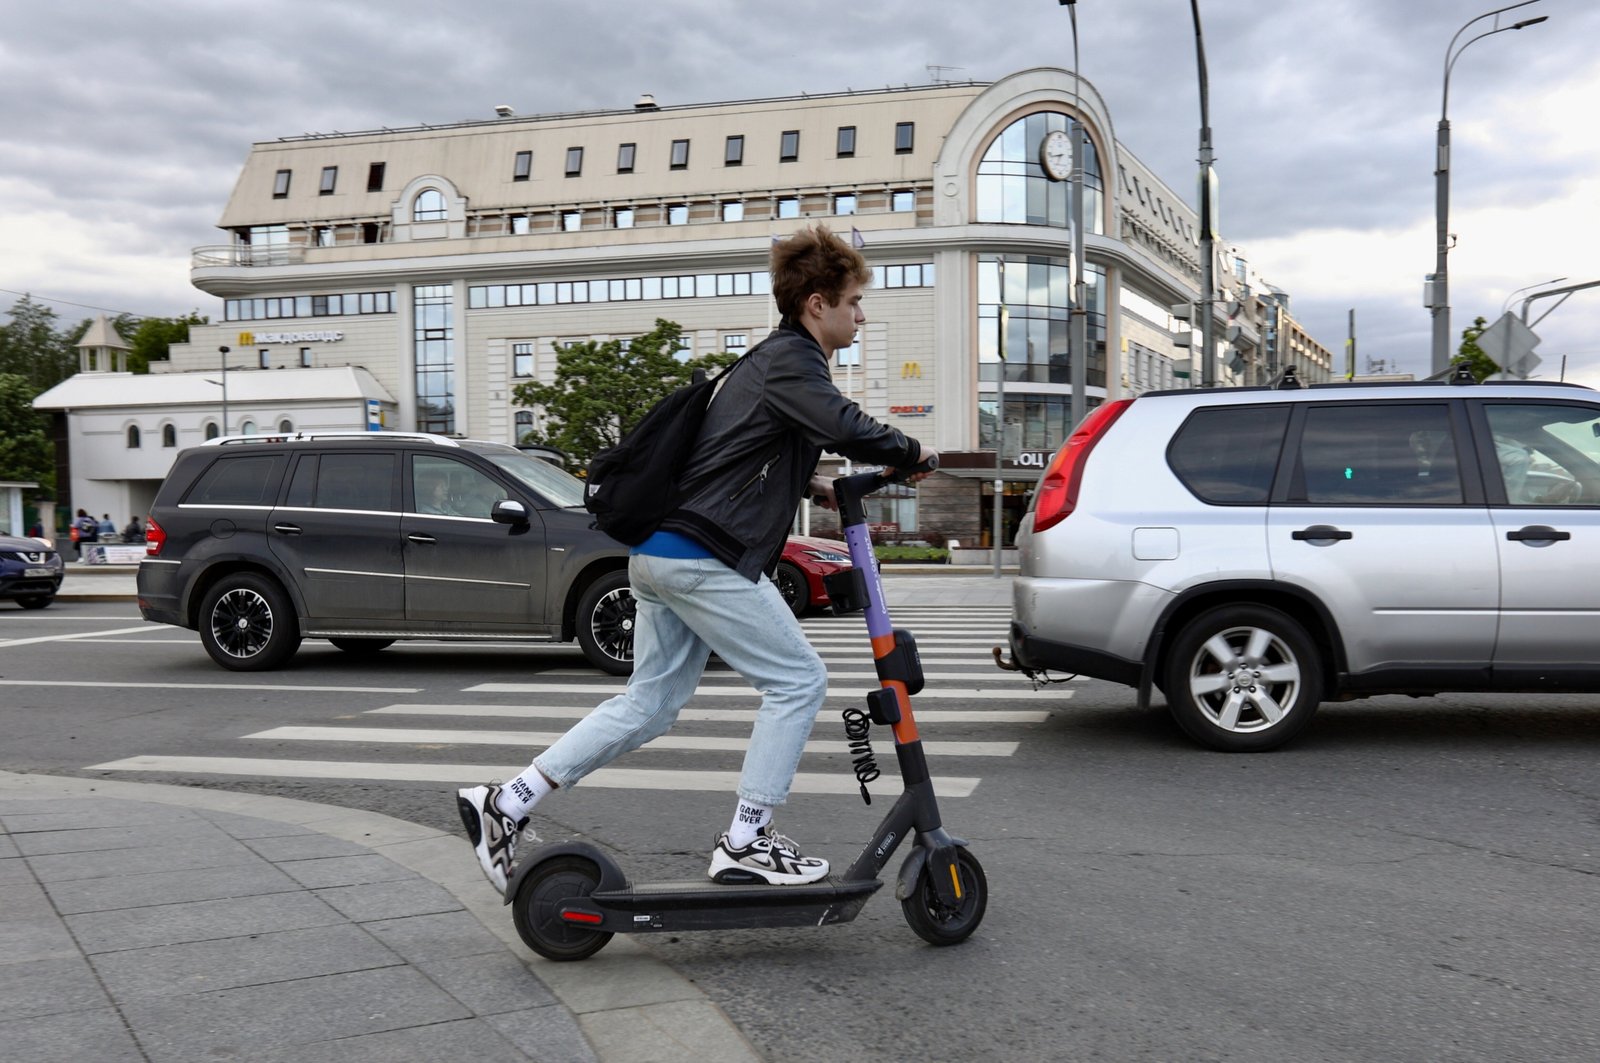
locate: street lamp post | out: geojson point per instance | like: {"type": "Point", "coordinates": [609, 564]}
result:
{"type": "Point", "coordinates": [1078, 331]}
{"type": "Point", "coordinates": [1439, 301]}
{"type": "Point", "coordinates": [1208, 221]}
{"type": "Point", "coordinates": [224, 352]}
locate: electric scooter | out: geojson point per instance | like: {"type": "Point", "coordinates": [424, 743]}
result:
{"type": "Point", "coordinates": [569, 898]}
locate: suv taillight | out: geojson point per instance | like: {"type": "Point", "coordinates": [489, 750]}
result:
{"type": "Point", "coordinates": [154, 538]}
{"type": "Point", "coordinates": [1058, 487]}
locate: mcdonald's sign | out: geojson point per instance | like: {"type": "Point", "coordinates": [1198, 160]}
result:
{"type": "Point", "coordinates": [910, 370]}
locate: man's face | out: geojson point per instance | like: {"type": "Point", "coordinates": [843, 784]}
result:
{"type": "Point", "coordinates": [838, 323]}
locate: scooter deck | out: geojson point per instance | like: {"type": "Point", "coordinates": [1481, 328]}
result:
{"type": "Point", "coordinates": [691, 905]}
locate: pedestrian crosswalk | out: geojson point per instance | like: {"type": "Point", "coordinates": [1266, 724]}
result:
{"type": "Point", "coordinates": [451, 740]}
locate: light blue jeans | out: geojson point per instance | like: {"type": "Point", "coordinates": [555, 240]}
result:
{"type": "Point", "coordinates": [689, 608]}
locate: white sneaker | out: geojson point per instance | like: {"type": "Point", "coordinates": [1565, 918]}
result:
{"type": "Point", "coordinates": [493, 833]}
{"type": "Point", "coordinates": [771, 858]}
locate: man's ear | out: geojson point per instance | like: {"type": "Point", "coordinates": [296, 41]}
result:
{"type": "Point", "coordinates": [814, 304]}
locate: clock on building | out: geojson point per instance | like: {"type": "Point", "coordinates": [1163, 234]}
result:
{"type": "Point", "coordinates": [1055, 155]}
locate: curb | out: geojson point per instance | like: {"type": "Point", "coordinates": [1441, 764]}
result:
{"type": "Point", "coordinates": [631, 1007]}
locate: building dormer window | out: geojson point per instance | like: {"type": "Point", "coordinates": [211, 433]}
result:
{"type": "Point", "coordinates": [523, 166]}
{"type": "Point", "coordinates": [574, 162]}
{"type": "Point", "coordinates": [789, 146]}
{"type": "Point", "coordinates": [733, 154]}
{"type": "Point", "coordinates": [330, 178]}
{"type": "Point", "coordinates": [680, 154]}
{"type": "Point", "coordinates": [280, 184]}
{"type": "Point", "coordinates": [846, 146]}
{"type": "Point", "coordinates": [428, 206]}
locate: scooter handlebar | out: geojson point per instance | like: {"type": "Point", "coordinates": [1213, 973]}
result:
{"type": "Point", "coordinates": [850, 490]}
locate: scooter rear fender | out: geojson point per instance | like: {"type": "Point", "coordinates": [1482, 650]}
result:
{"type": "Point", "coordinates": [611, 876]}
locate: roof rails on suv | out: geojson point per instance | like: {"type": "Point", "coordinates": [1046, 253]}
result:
{"type": "Point", "coordinates": [417, 437]}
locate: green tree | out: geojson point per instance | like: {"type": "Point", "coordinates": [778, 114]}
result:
{"type": "Point", "coordinates": [31, 347]}
{"type": "Point", "coordinates": [150, 339]}
{"type": "Point", "coordinates": [602, 389]}
{"type": "Point", "coordinates": [25, 450]}
{"type": "Point", "coordinates": [1472, 355]}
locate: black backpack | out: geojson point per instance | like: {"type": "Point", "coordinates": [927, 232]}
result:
{"type": "Point", "coordinates": [633, 486]}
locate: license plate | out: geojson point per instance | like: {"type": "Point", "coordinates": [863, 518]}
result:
{"type": "Point", "coordinates": [32, 572]}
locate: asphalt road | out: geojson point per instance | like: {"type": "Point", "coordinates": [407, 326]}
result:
{"type": "Point", "coordinates": [1413, 879]}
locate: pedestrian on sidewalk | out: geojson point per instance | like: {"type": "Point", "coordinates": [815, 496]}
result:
{"type": "Point", "coordinates": [701, 582]}
{"type": "Point", "coordinates": [107, 529]}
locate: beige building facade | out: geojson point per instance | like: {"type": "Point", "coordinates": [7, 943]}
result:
{"type": "Point", "coordinates": [451, 262]}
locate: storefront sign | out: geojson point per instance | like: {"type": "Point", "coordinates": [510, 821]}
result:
{"type": "Point", "coordinates": [251, 339]}
{"type": "Point", "coordinates": [912, 411]}
{"type": "Point", "coordinates": [1032, 459]}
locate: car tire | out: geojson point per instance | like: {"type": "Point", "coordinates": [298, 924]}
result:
{"type": "Point", "coordinates": [362, 647]}
{"type": "Point", "coordinates": [1243, 678]}
{"type": "Point", "coordinates": [605, 623]}
{"type": "Point", "coordinates": [793, 586]}
{"type": "Point", "coordinates": [247, 623]}
{"type": "Point", "coordinates": [35, 601]}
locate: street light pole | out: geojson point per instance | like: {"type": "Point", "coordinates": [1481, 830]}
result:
{"type": "Point", "coordinates": [224, 352]}
{"type": "Point", "coordinates": [1078, 332]}
{"type": "Point", "coordinates": [1208, 221]}
{"type": "Point", "coordinates": [1439, 301]}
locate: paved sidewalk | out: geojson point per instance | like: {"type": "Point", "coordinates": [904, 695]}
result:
{"type": "Point", "coordinates": [150, 922]}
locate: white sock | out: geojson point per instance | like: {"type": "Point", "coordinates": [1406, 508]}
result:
{"type": "Point", "coordinates": [748, 819]}
{"type": "Point", "coordinates": [518, 796]}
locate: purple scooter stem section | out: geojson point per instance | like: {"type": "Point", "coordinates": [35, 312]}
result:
{"type": "Point", "coordinates": [860, 542]}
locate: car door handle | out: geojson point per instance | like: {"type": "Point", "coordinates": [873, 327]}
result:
{"type": "Point", "coordinates": [287, 529]}
{"type": "Point", "coordinates": [417, 537]}
{"type": "Point", "coordinates": [1321, 531]}
{"type": "Point", "coordinates": [1538, 533]}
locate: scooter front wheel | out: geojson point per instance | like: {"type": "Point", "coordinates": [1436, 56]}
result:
{"type": "Point", "coordinates": [938, 923]}
{"type": "Point", "coordinates": [535, 909]}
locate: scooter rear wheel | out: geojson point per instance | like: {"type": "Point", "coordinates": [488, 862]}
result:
{"type": "Point", "coordinates": [938, 923]}
{"type": "Point", "coordinates": [535, 908]}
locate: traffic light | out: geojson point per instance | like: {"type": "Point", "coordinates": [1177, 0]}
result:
{"type": "Point", "coordinates": [1183, 328]}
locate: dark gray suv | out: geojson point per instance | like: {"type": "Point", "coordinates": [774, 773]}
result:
{"type": "Point", "coordinates": [1253, 552]}
{"type": "Point", "coordinates": [366, 538]}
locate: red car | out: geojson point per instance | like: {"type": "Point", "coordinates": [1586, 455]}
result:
{"type": "Point", "coordinates": [805, 561]}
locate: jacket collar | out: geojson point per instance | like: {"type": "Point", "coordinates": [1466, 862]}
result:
{"type": "Point", "coordinates": [789, 324]}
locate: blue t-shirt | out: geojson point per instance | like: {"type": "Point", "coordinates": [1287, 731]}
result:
{"type": "Point", "coordinates": [671, 544]}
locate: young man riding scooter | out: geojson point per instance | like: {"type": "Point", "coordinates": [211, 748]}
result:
{"type": "Point", "coordinates": [701, 581]}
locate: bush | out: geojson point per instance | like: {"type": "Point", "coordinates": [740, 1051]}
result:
{"type": "Point", "coordinates": [925, 555]}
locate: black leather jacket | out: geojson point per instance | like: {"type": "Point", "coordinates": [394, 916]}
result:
{"type": "Point", "coordinates": [772, 417]}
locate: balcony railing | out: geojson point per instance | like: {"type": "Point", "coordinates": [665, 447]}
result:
{"type": "Point", "coordinates": [247, 255]}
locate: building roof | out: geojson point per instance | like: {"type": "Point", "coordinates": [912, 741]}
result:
{"type": "Point", "coordinates": [272, 386]}
{"type": "Point", "coordinates": [102, 334]}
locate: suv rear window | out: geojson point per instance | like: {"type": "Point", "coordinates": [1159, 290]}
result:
{"type": "Point", "coordinates": [1228, 453]}
{"type": "Point", "coordinates": [245, 480]}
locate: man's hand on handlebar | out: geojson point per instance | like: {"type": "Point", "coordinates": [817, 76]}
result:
{"type": "Point", "coordinates": [929, 458]}
{"type": "Point", "coordinates": [821, 492]}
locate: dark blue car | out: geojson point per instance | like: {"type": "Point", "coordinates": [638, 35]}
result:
{"type": "Point", "coordinates": [30, 571]}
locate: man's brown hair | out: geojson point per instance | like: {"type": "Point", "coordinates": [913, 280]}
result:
{"type": "Point", "coordinates": [814, 260]}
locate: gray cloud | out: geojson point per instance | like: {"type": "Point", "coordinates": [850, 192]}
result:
{"type": "Point", "coordinates": [1323, 114]}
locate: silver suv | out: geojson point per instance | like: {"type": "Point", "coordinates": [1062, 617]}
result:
{"type": "Point", "coordinates": [1254, 552]}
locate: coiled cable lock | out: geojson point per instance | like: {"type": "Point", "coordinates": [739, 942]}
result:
{"type": "Point", "coordinates": [857, 732]}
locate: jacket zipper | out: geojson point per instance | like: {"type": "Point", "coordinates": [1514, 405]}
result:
{"type": "Point", "coordinates": [761, 476]}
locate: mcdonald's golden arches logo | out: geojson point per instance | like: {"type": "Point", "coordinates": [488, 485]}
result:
{"type": "Point", "coordinates": [910, 370]}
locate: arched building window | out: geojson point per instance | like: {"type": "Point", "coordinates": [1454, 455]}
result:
{"type": "Point", "coordinates": [285, 427]}
{"type": "Point", "coordinates": [524, 424]}
{"type": "Point", "coordinates": [133, 437]}
{"type": "Point", "coordinates": [428, 206]}
{"type": "Point", "coordinates": [212, 431]}
{"type": "Point", "coordinates": [1012, 186]}
{"type": "Point", "coordinates": [169, 435]}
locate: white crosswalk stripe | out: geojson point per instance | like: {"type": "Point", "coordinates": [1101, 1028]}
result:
{"type": "Point", "coordinates": [961, 678]}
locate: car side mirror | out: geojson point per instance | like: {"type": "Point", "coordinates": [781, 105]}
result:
{"type": "Point", "coordinates": [509, 511]}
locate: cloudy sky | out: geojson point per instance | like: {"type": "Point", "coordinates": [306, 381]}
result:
{"type": "Point", "coordinates": [126, 123]}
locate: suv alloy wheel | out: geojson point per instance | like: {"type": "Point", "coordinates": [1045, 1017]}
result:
{"type": "Point", "coordinates": [247, 623]}
{"type": "Point", "coordinates": [1242, 678]}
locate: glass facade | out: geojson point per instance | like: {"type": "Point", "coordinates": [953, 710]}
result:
{"type": "Point", "coordinates": [434, 349]}
{"type": "Point", "coordinates": [1013, 188]}
{"type": "Point", "coordinates": [1038, 298]}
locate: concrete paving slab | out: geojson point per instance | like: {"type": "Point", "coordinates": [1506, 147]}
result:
{"type": "Point", "coordinates": [389, 900]}
{"type": "Point", "coordinates": [48, 987]}
{"type": "Point", "coordinates": [171, 924]}
{"type": "Point", "coordinates": [135, 891]}
{"type": "Point", "coordinates": [229, 963]}
{"type": "Point", "coordinates": [238, 1023]}
{"type": "Point", "coordinates": [96, 1034]}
